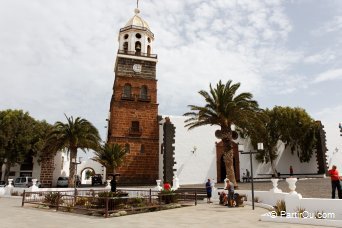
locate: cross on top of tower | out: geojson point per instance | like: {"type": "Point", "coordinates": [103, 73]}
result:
{"type": "Point", "coordinates": [137, 4]}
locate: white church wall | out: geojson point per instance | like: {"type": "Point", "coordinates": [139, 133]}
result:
{"type": "Point", "coordinates": [282, 163]}
{"type": "Point", "coordinates": [61, 163]}
{"type": "Point", "coordinates": [195, 152]}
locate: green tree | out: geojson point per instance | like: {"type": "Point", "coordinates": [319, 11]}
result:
{"type": "Point", "coordinates": [110, 156]}
{"type": "Point", "coordinates": [293, 126]}
{"type": "Point", "coordinates": [16, 138]}
{"type": "Point", "coordinates": [71, 136]}
{"type": "Point", "coordinates": [223, 108]}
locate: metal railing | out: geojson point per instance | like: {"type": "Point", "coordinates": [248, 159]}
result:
{"type": "Point", "coordinates": [96, 202]}
{"type": "Point", "coordinates": [137, 53]}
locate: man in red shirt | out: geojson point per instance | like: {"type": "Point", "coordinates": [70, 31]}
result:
{"type": "Point", "coordinates": [335, 182]}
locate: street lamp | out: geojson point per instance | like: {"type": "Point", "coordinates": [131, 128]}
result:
{"type": "Point", "coordinates": [241, 150]}
{"type": "Point", "coordinates": [73, 160]}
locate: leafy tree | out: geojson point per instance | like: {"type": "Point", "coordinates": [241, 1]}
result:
{"type": "Point", "coordinates": [293, 126]}
{"type": "Point", "coordinates": [71, 136]}
{"type": "Point", "coordinates": [16, 137]}
{"type": "Point", "coordinates": [110, 156]}
{"type": "Point", "coordinates": [223, 107]}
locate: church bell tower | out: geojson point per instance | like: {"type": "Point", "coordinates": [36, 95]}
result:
{"type": "Point", "coordinates": [133, 117]}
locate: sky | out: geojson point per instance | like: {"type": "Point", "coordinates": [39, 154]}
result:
{"type": "Point", "coordinates": [57, 57]}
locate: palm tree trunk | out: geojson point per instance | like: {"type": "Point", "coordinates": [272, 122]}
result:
{"type": "Point", "coordinates": [228, 155]}
{"type": "Point", "coordinates": [72, 167]}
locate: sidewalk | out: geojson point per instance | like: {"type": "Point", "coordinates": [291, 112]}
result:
{"type": "Point", "coordinates": [202, 215]}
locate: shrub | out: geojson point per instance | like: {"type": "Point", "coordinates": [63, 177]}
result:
{"type": "Point", "coordinates": [318, 215]}
{"type": "Point", "coordinates": [169, 196]}
{"type": "Point", "coordinates": [53, 199]}
{"type": "Point", "coordinates": [280, 206]}
{"type": "Point", "coordinates": [137, 201]}
{"type": "Point", "coordinates": [300, 212]}
{"type": "Point", "coordinates": [83, 201]}
{"type": "Point", "coordinates": [15, 193]}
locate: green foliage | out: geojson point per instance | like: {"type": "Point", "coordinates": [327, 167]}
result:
{"type": "Point", "coordinates": [75, 134]}
{"type": "Point", "coordinates": [53, 199]}
{"type": "Point", "coordinates": [223, 107]}
{"type": "Point", "coordinates": [21, 136]}
{"type": "Point", "coordinates": [293, 126]}
{"type": "Point", "coordinates": [110, 156]}
{"type": "Point", "coordinates": [89, 173]}
{"type": "Point", "coordinates": [137, 202]}
{"type": "Point", "coordinates": [83, 201]}
{"type": "Point", "coordinates": [280, 206]}
{"type": "Point", "coordinates": [300, 212]}
{"type": "Point", "coordinates": [112, 194]}
{"type": "Point", "coordinates": [169, 196]}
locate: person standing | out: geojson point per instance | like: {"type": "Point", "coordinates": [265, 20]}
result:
{"type": "Point", "coordinates": [248, 175]}
{"type": "Point", "coordinates": [291, 171]}
{"type": "Point", "coordinates": [230, 196]}
{"type": "Point", "coordinates": [113, 184]}
{"type": "Point", "coordinates": [335, 182]}
{"type": "Point", "coordinates": [208, 188]}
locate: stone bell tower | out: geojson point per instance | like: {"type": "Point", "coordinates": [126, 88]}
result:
{"type": "Point", "coordinates": [133, 117]}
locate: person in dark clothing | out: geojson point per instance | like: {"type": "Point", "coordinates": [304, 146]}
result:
{"type": "Point", "coordinates": [291, 170]}
{"type": "Point", "coordinates": [113, 184]}
{"type": "Point", "coordinates": [208, 188]}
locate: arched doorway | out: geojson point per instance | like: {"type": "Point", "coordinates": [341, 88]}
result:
{"type": "Point", "coordinates": [221, 167]}
{"type": "Point", "coordinates": [86, 175]}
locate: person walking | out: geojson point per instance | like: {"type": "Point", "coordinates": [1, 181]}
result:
{"type": "Point", "coordinates": [208, 188]}
{"type": "Point", "coordinates": [335, 182]}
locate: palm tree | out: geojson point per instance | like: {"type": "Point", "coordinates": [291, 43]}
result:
{"type": "Point", "coordinates": [110, 156]}
{"type": "Point", "coordinates": [71, 136]}
{"type": "Point", "coordinates": [224, 108]}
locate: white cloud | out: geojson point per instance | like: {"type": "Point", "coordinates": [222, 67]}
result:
{"type": "Point", "coordinates": [334, 74]}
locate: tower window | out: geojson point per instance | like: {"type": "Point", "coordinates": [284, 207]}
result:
{"type": "Point", "coordinates": [135, 126]}
{"type": "Point", "coordinates": [149, 39]}
{"type": "Point", "coordinates": [126, 36]}
{"type": "Point", "coordinates": [143, 92]}
{"type": "Point", "coordinates": [138, 48]}
{"type": "Point", "coordinates": [127, 148]}
{"type": "Point", "coordinates": [127, 91]}
{"type": "Point", "coordinates": [148, 50]}
{"type": "Point", "coordinates": [142, 149]}
{"type": "Point", "coordinates": [138, 35]}
{"type": "Point", "coordinates": [125, 46]}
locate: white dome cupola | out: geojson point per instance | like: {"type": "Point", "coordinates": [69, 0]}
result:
{"type": "Point", "coordinates": [136, 37]}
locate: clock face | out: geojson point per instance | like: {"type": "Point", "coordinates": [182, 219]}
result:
{"type": "Point", "coordinates": [137, 68]}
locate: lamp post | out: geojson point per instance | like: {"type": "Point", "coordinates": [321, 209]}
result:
{"type": "Point", "coordinates": [76, 163]}
{"type": "Point", "coordinates": [241, 150]}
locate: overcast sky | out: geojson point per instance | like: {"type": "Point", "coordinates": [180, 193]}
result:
{"type": "Point", "coordinates": [58, 57]}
